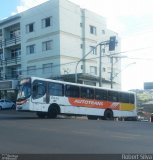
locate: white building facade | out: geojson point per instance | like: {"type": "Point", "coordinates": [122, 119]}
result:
{"type": "Point", "coordinates": [48, 40]}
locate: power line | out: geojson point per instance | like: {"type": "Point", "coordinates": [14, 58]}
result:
{"type": "Point", "coordinates": [92, 58]}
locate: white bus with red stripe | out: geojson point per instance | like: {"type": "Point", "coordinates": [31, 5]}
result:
{"type": "Point", "coordinates": [49, 98]}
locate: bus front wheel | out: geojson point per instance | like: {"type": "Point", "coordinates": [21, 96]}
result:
{"type": "Point", "coordinates": [53, 111]}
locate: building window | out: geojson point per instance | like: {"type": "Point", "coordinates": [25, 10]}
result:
{"type": "Point", "coordinates": [31, 70]}
{"type": "Point", "coordinates": [1, 73]}
{"type": "Point", "coordinates": [93, 70]}
{"type": "Point", "coordinates": [31, 49]}
{"type": "Point", "coordinates": [15, 52]}
{"type": "Point", "coordinates": [46, 22]}
{"type": "Point", "coordinates": [104, 69]}
{"type": "Point", "coordinates": [1, 35]}
{"type": "Point", "coordinates": [30, 28]}
{"type": "Point", "coordinates": [93, 49]}
{"type": "Point", "coordinates": [93, 30]}
{"type": "Point", "coordinates": [1, 55]}
{"type": "Point", "coordinates": [47, 68]}
{"type": "Point", "coordinates": [103, 32]}
{"type": "Point", "coordinates": [47, 45]}
{"type": "Point", "coordinates": [14, 33]}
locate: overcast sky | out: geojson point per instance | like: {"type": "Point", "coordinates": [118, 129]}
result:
{"type": "Point", "coordinates": [132, 19]}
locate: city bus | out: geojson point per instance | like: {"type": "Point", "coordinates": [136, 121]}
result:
{"type": "Point", "coordinates": [50, 98]}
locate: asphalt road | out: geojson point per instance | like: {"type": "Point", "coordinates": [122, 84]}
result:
{"type": "Point", "coordinates": [25, 133]}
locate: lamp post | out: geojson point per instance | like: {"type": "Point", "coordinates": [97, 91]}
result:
{"type": "Point", "coordinates": [99, 44]}
{"type": "Point", "coordinates": [112, 43]}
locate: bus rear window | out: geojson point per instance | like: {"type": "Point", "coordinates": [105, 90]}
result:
{"type": "Point", "coordinates": [132, 98]}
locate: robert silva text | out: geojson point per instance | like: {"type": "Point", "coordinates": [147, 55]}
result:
{"type": "Point", "coordinates": [137, 156]}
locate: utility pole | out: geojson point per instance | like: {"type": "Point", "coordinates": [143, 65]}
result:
{"type": "Point", "coordinates": [83, 58]}
{"type": "Point", "coordinates": [112, 43]}
{"type": "Point", "coordinates": [100, 67]}
{"type": "Point", "coordinates": [112, 70]}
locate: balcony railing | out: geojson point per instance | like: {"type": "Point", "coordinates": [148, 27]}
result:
{"type": "Point", "coordinates": [9, 76]}
{"type": "Point", "coordinates": [10, 41]}
{"type": "Point", "coordinates": [10, 61]}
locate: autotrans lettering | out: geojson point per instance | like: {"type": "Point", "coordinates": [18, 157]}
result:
{"type": "Point", "coordinates": [93, 103]}
{"type": "Point", "coordinates": [88, 102]}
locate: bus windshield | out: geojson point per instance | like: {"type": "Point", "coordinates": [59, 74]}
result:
{"type": "Point", "coordinates": [24, 90]}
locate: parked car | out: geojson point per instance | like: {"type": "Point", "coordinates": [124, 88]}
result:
{"type": "Point", "coordinates": [6, 104]}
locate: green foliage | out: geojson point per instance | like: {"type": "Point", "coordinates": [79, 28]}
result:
{"type": "Point", "coordinates": [143, 96]}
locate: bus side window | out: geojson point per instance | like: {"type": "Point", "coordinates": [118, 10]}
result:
{"type": "Point", "coordinates": [101, 94]}
{"type": "Point", "coordinates": [124, 97]}
{"type": "Point", "coordinates": [72, 91]}
{"type": "Point", "coordinates": [39, 89]}
{"type": "Point", "coordinates": [113, 96]}
{"type": "Point", "coordinates": [87, 93]}
{"type": "Point", "coordinates": [56, 89]}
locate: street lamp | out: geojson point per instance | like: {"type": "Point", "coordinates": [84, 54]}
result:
{"type": "Point", "coordinates": [99, 44]}
{"type": "Point", "coordinates": [112, 43]}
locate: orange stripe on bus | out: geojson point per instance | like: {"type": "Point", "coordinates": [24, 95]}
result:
{"type": "Point", "coordinates": [80, 102]}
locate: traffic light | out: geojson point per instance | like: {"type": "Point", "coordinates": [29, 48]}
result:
{"type": "Point", "coordinates": [112, 43]}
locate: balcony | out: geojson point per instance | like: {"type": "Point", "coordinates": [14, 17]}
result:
{"type": "Point", "coordinates": [9, 76]}
{"type": "Point", "coordinates": [10, 42]}
{"type": "Point", "coordinates": [10, 61]}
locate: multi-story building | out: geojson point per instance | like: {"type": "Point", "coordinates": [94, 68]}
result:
{"type": "Point", "coordinates": [48, 41]}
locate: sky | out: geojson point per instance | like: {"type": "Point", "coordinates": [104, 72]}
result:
{"type": "Point", "coordinates": [131, 19]}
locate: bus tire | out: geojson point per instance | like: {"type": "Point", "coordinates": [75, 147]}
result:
{"type": "Point", "coordinates": [108, 114]}
{"type": "Point", "coordinates": [53, 111]}
{"type": "Point", "coordinates": [92, 117]}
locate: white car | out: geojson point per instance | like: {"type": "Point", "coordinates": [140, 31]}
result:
{"type": "Point", "coordinates": [6, 104]}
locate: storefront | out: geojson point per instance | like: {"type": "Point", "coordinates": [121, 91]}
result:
{"type": "Point", "coordinates": [8, 89]}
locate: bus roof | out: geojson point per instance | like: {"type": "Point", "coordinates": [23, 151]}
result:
{"type": "Point", "coordinates": [77, 84]}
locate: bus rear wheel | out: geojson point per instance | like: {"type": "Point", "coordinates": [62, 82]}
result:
{"type": "Point", "coordinates": [108, 115]}
{"type": "Point", "coordinates": [53, 111]}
